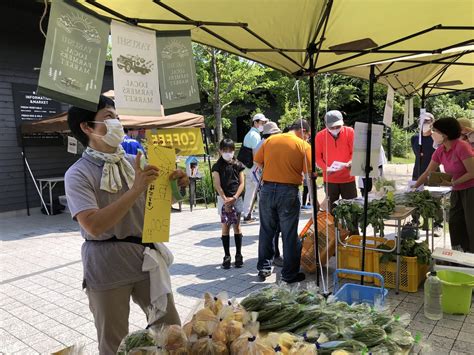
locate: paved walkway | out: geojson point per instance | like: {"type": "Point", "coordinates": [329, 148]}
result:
{"type": "Point", "coordinates": [43, 309]}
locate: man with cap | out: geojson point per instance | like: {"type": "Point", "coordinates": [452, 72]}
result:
{"type": "Point", "coordinates": [284, 158]}
{"type": "Point", "coordinates": [251, 140]}
{"type": "Point", "coordinates": [424, 152]}
{"type": "Point", "coordinates": [335, 144]}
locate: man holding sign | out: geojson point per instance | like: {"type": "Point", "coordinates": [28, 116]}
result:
{"type": "Point", "coordinates": [106, 191]}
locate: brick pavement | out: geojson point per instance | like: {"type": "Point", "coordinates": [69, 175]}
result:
{"type": "Point", "coordinates": [43, 309]}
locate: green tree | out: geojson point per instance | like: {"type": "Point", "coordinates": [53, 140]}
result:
{"type": "Point", "coordinates": [225, 78]}
{"type": "Point", "coordinates": [446, 106]}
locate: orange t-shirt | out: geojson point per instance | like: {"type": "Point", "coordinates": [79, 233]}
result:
{"type": "Point", "coordinates": [283, 158]}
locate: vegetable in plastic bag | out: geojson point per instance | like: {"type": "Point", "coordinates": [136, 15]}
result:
{"type": "Point", "coordinates": [137, 339]}
{"type": "Point", "coordinates": [350, 345]}
{"type": "Point", "coordinates": [207, 345]}
{"type": "Point", "coordinates": [249, 343]}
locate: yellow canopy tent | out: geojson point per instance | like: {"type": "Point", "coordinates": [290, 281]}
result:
{"type": "Point", "coordinates": [437, 74]}
{"type": "Point", "coordinates": [305, 37]}
{"type": "Point", "coordinates": [282, 33]}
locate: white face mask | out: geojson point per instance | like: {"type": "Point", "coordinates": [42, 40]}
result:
{"type": "Point", "coordinates": [260, 128]}
{"type": "Point", "coordinates": [470, 137]}
{"type": "Point", "coordinates": [426, 127]}
{"type": "Point", "coordinates": [334, 132]}
{"type": "Point", "coordinates": [115, 132]}
{"type": "Point", "coordinates": [437, 138]}
{"type": "Point", "coordinates": [228, 156]}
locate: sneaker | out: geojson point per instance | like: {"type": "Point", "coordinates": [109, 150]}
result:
{"type": "Point", "coordinates": [263, 274]}
{"type": "Point", "coordinates": [278, 261]}
{"type": "Point", "coordinates": [226, 262]}
{"type": "Point", "coordinates": [239, 261]}
{"type": "Point", "coordinates": [298, 278]}
{"type": "Point", "coordinates": [249, 219]}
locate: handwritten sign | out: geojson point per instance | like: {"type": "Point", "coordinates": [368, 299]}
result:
{"type": "Point", "coordinates": [186, 141]}
{"type": "Point", "coordinates": [156, 227]}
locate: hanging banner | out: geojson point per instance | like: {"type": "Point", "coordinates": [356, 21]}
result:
{"type": "Point", "coordinates": [420, 125]}
{"type": "Point", "coordinates": [360, 149]}
{"type": "Point", "coordinates": [388, 112]}
{"type": "Point", "coordinates": [411, 113]}
{"type": "Point", "coordinates": [178, 82]}
{"type": "Point", "coordinates": [74, 54]}
{"type": "Point", "coordinates": [71, 145]}
{"type": "Point", "coordinates": [136, 87]}
{"type": "Point", "coordinates": [156, 226]}
{"type": "Point", "coordinates": [186, 141]}
{"type": "Point", "coordinates": [408, 114]}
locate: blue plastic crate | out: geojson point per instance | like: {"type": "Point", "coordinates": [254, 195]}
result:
{"type": "Point", "coordinates": [353, 293]}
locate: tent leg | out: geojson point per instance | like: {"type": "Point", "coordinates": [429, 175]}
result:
{"type": "Point", "coordinates": [313, 164]}
{"type": "Point", "coordinates": [209, 163]}
{"type": "Point", "coordinates": [420, 140]}
{"type": "Point", "coordinates": [368, 168]}
{"type": "Point", "coordinates": [25, 182]}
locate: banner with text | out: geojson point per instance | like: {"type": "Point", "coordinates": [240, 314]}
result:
{"type": "Point", "coordinates": [186, 141]}
{"type": "Point", "coordinates": [74, 54]}
{"type": "Point", "coordinates": [178, 82]}
{"type": "Point", "coordinates": [134, 59]}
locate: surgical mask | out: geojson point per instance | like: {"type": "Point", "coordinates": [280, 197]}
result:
{"type": "Point", "coordinates": [335, 132]}
{"type": "Point", "coordinates": [260, 128]}
{"type": "Point", "coordinates": [228, 156]}
{"type": "Point", "coordinates": [470, 137]}
{"type": "Point", "coordinates": [426, 127]}
{"type": "Point", "coordinates": [437, 138]}
{"type": "Point", "coordinates": [115, 132]}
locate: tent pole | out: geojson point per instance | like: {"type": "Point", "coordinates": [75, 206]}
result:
{"type": "Point", "coordinates": [209, 162]}
{"type": "Point", "coordinates": [420, 140]}
{"type": "Point", "coordinates": [368, 168]}
{"type": "Point", "coordinates": [313, 163]}
{"type": "Point", "coordinates": [25, 182]}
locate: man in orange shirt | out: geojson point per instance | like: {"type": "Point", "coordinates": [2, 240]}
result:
{"type": "Point", "coordinates": [284, 158]}
{"type": "Point", "coordinates": [334, 147]}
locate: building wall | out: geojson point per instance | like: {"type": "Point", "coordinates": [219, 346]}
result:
{"type": "Point", "coordinates": [22, 49]}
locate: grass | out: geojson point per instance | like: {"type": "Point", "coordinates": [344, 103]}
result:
{"type": "Point", "coordinates": [401, 160]}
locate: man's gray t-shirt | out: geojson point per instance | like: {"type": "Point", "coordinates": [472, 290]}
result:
{"type": "Point", "coordinates": [106, 265]}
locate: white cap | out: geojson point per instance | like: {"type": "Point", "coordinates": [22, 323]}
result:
{"type": "Point", "coordinates": [260, 117]}
{"type": "Point", "coordinates": [426, 116]}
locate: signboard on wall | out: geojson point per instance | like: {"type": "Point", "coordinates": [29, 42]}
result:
{"type": "Point", "coordinates": [29, 106]}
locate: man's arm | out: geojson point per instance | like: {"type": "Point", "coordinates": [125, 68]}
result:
{"type": "Point", "coordinates": [98, 221]}
{"type": "Point", "coordinates": [259, 155]}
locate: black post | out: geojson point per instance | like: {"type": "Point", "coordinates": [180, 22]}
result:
{"type": "Point", "coordinates": [313, 163]}
{"type": "Point", "coordinates": [420, 132]}
{"type": "Point", "coordinates": [368, 168]}
{"type": "Point", "coordinates": [389, 143]}
{"type": "Point", "coordinates": [209, 163]}
{"type": "Point", "coordinates": [25, 181]}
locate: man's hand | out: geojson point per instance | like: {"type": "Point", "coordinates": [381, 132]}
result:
{"type": "Point", "coordinates": [349, 164]}
{"type": "Point", "coordinates": [145, 176]}
{"type": "Point", "coordinates": [181, 176]}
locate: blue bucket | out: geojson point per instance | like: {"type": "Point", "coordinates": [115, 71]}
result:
{"type": "Point", "coordinates": [353, 293]}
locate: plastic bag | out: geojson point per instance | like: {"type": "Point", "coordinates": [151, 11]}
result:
{"type": "Point", "coordinates": [202, 320]}
{"type": "Point", "coordinates": [209, 346]}
{"type": "Point", "coordinates": [173, 339]}
{"type": "Point", "coordinates": [281, 343]}
{"type": "Point", "coordinates": [249, 343]}
{"type": "Point", "coordinates": [227, 329]}
{"type": "Point", "coordinates": [136, 340]}
{"type": "Point", "coordinates": [302, 348]}
{"type": "Point", "coordinates": [215, 303]}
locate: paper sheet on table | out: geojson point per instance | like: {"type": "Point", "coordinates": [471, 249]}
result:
{"type": "Point", "coordinates": [360, 149]}
{"type": "Point", "coordinates": [336, 166]}
{"type": "Point", "coordinates": [156, 227]}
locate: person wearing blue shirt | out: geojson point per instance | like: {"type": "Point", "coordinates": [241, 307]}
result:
{"type": "Point", "coordinates": [131, 145]}
{"type": "Point", "coordinates": [251, 140]}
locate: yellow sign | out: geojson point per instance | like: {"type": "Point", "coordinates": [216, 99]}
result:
{"type": "Point", "coordinates": [156, 227]}
{"type": "Point", "coordinates": [186, 141]}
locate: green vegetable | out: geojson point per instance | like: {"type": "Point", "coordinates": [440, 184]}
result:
{"type": "Point", "coordinates": [370, 335]}
{"type": "Point", "coordinates": [408, 247]}
{"type": "Point", "coordinates": [350, 345]}
{"type": "Point", "coordinates": [284, 317]}
{"type": "Point", "coordinates": [140, 338]}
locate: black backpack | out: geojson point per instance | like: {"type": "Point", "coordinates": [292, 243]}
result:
{"type": "Point", "coordinates": [245, 156]}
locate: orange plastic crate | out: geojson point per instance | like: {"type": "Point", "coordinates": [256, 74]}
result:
{"type": "Point", "coordinates": [351, 258]}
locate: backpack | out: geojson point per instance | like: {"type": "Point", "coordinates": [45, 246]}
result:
{"type": "Point", "coordinates": [245, 156]}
